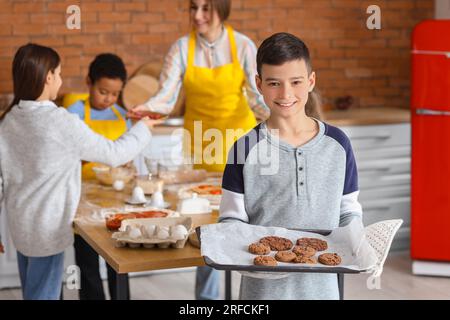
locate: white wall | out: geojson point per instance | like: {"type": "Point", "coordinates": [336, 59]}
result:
{"type": "Point", "coordinates": [442, 9]}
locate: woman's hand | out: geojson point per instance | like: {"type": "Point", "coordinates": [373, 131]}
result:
{"type": "Point", "coordinates": [140, 107]}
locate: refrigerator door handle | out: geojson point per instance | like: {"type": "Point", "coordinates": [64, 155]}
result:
{"type": "Point", "coordinates": [430, 112]}
{"type": "Point", "coordinates": [430, 52]}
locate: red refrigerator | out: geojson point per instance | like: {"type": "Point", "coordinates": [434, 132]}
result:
{"type": "Point", "coordinates": [430, 165]}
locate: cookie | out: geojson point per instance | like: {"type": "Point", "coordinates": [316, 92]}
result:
{"type": "Point", "coordinates": [330, 259]}
{"type": "Point", "coordinates": [285, 256]}
{"type": "Point", "coordinates": [318, 244]}
{"type": "Point", "coordinates": [259, 248]}
{"type": "Point", "coordinates": [277, 243]}
{"type": "Point", "coordinates": [305, 259]}
{"type": "Point", "coordinates": [265, 261]}
{"type": "Point", "coordinates": [304, 251]}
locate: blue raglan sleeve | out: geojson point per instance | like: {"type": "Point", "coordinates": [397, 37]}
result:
{"type": "Point", "coordinates": [232, 205]}
{"type": "Point", "coordinates": [350, 206]}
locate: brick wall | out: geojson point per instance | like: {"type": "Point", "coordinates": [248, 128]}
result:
{"type": "Point", "coordinates": [371, 65]}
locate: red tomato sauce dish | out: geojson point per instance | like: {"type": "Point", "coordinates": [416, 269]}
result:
{"type": "Point", "coordinates": [113, 222]}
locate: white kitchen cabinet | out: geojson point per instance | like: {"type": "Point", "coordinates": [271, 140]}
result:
{"type": "Point", "coordinates": [383, 158]}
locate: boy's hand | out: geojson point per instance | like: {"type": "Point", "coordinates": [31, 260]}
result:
{"type": "Point", "coordinates": [151, 123]}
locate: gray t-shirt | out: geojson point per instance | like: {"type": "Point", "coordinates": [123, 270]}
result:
{"type": "Point", "coordinates": [269, 182]}
{"type": "Point", "coordinates": [41, 148]}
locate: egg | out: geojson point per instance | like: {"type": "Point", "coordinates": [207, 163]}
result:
{"type": "Point", "coordinates": [118, 185]}
{"type": "Point", "coordinates": [148, 231]}
{"type": "Point", "coordinates": [178, 232]}
{"type": "Point", "coordinates": [177, 235]}
{"type": "Point", "coordinates": [134, 233]}
{"type": "Point", "coordinates": [157, 199]}
{"type": "Point", "coordinates": [163, 233]}
{"type": "Point", "coordinates": [138, 195]}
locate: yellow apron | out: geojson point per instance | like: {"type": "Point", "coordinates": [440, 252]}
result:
{"type": "Point", "coordinates": [214, 100]}
{"type": "Point", "coordinates": [110, 129]}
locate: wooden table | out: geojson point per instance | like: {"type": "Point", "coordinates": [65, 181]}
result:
{"type": "Point", "coordinates": [125, 260]}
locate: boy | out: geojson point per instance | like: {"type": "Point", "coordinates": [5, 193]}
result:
{"type": "Point", "coordinates": [106, 78]}
{"type": "Point", "coordinates": [315, 185]}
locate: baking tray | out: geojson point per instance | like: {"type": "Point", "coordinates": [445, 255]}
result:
{"type": "Point", "coordinates": [317, 268]}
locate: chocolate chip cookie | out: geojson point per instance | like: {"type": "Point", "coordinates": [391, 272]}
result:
{"type": "Point", "coordinates": [285, 256]}
{"type": "Point", "coordinates": [265, 261]}
{"type": "Point", "coordinates": [277, 243]}
{"type": "Point", "coordinates": [259, 248]}
{"type": "Point", "coordinates": [318, 244]}
{"type": "Point", "coordinates": [304, 251]}
{"type": "Point", "coordinates": [330, 259]}
{"type": "Point", "coordinates": [305, 259]}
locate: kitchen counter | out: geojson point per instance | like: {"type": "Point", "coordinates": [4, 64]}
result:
{"type": "Point", "coordinates": [352, 117]}
{"type": "Point", "coordinates": [367, 116]}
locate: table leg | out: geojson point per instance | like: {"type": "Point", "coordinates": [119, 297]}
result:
{"type": "Point", "coordinates": [118, 284]}
{"type": "Point", "coordinates": [121, 287]}
{"type": "Point", "coordinates": [227, 284]}
{"type": "Point", "coordinates": [341, 285]}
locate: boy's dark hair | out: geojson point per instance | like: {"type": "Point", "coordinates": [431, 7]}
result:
{"type": "Point", "coordinates": [107, 65]}
{"type": "Point", "coordinates": [284, 47]}
{"type": "Point", "coordinates": [280, 48]}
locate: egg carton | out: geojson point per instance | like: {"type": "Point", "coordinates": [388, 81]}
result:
{"type": "Point", "coordinates": [124, 239]}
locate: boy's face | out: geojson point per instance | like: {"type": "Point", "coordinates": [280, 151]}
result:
{"type": "Point", "coordinates": [285, 87]}
{"type": "Point", "coordinates": [104, 92]}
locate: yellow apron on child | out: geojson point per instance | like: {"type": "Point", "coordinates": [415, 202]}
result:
{"type": "Point", "coordinates": [110, 129]}
{"type": "Point", "coordinates": [215, 97]}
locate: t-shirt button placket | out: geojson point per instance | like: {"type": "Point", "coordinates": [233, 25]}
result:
{"type": "Point", "coordinates": [301, 175]}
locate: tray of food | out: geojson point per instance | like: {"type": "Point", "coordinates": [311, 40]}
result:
{"type": "Point", "coordinates": [273, 252]}
{"type": "Point", "coordinates": [154, 233]}
{"type": "Point", "coordinates": [114, 220]}
{"type": "Point", "coordinates": [212, 192]}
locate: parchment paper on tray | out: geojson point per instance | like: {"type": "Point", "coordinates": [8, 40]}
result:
{"type": "Point", "coordinates": [225, 247]}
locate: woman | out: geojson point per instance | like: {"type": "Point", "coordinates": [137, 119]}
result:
{"type": "Point", "coordinates": [216, 67]}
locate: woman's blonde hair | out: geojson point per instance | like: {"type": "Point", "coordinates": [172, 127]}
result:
{"type": "Point", "coordinates": [313, 107]}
